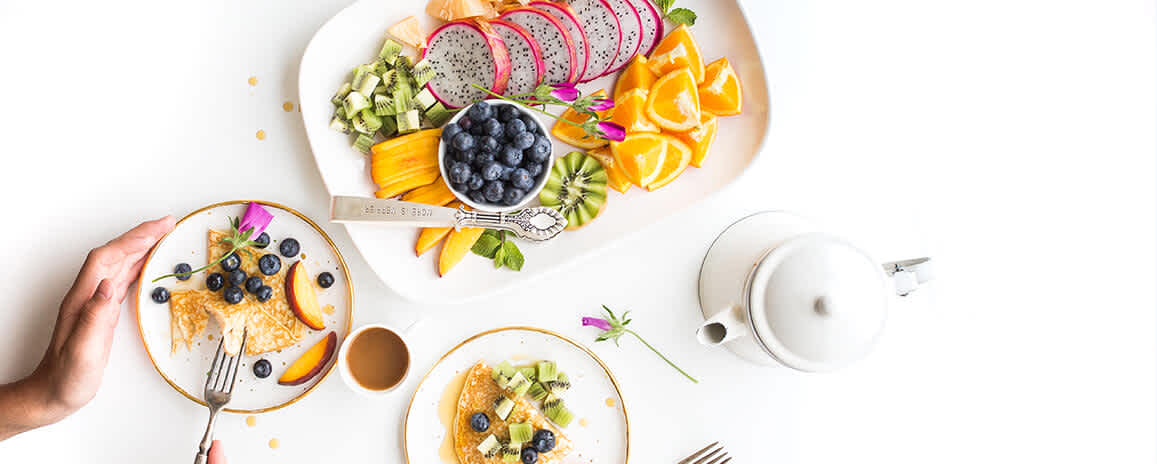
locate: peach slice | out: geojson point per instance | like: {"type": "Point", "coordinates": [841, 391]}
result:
{"type": "Point", "coordinates": [302, 297]}
{"type": "Point", "coordinates": [311, 362]}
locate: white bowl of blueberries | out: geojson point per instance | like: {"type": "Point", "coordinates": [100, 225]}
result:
{"type": "Point", "coordinates": [495, 155]}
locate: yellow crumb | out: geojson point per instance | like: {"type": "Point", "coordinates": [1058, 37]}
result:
{"type": "Point", "coordinates": [287, 106]}
{"type": "Point", "coordinates": [252, 80]}
{"type": "Point", "coordinates": [260, 135]}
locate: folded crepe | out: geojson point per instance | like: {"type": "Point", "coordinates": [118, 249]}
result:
{"type": "Point", "coordinates": [479, 392]}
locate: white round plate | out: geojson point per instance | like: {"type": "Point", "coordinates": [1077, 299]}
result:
{"type": "Point", "coordinates": [185, 370]}
{"type": "Point", "coordinates": [600, 431]}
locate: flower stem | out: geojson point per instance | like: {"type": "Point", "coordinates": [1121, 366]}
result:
{"type": "Point", "coordinates": [202, 268]}
{"type": "Point", "coordinates": [632, 332]}
{"type": "Point", "coordinates": [518, 102]}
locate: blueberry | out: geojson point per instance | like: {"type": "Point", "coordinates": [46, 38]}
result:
{"type": "Point", "coordinates": [475, 182]}
{"type": "Point", "coordinates": [540, 150]}
{"type": "Point", "coordinates": [543, 441]}
{"type": "Point", "coordinates": [459, 173]}
{"type": "Point", "coordinates": [262, 368]}
{"type": "Point", "coordinates": [513, 196]}
{"type": "Point", "coordinates": [508, 112]}
{"type": "Point", "coordinates": [462, 141]}
{"type": "Point", "coordinates": [515, 127]}
{"type": "Point", "coordinates": [478, 129]}
{"type": "Point", "coordinates": [492, 171]}
{"type": "Point", "coordinates": [263, 293]}
{"type": "Point", "coordinates": [450, 131]}
{"type": "Point", "coordinates": [459, 187]}
{"type": "Point", "coordinates": [236, 277]}
{"type": "Point", "coordinates": [479, 112]}
{"type": "Point", "coordinates": [183, 268]}
{"type": "Point", "coordinates": [253, 283]}
{"type": "Point", "coordinates": [507, 171]}
{"type": "Point", "coordinates": [511, 156]}
{"type": "Point", "coordinates": [269, 264]}
{"type": "Point", "coordinates": [215, 281]}
{"type": "Point", "coordinates": [529, 456]}
{"type": "Point", "coordinates": [261, 241]}
{"type": "Point", "coordinates": [488, 143]}
{"type": "Point", "coordinates": [493, 191]}
{"type": "Point", "coordinates": [479, 422]}
{"type": "Point", "coordinates": [465, 156]}
{"type": "Point", "coordinates": [289, 247]}
{"type": "Point", "coordinates": [477, 196]}
{"type": "Point", "coordinates": [492, 128]}
{"type": "Point", "coordinates": [531, 124]}
{"type": "Point", "coordinates": [160, 294]}
{"type": "Point", "coordinates": [523, 140]}
{"type": "Point", "coordinates": [521, 179]}
{"type": "Point", "coordinates": [231, 262]}
{"type": "Point", "coordinates": [534, 169]}
{"type": "Point", "coordinates": [464, 124]}
{"type": "Point", "coordinates": [325, 280]}
{"type": "Point", "coordinates": [233, 295]}
{"type": "Point", "coordinates": [483, 159]}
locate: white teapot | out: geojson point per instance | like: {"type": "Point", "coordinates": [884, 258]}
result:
{"type": "Point", "coordinates": [776, 291]}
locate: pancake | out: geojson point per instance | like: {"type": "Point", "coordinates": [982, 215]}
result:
{"type": "Point", "coordinates": [479, 392]}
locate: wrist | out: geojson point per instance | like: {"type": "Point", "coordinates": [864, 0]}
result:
{"type": "Point", "coordinates": [24, 405]}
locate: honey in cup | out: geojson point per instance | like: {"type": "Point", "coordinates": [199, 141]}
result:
{"type": "Point", "coordinates": [378, 359]}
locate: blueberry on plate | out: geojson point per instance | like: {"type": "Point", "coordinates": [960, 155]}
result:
{"type": "Point", "coordinates": [450, 131]}
{"type": "Point", "coordinates": [511, 156]}
{"type": "Point", "coordinates": [231, 262]}
{"type": "Point", "coordinates": [253, 283]}
{"type": "Point", "coordinates": [492, 128]}
{"type": "Point", "coordinates": [262, 368]}
{"type": "Point", "coordinates": [215, 281]}
{"type": "Point", "coordinates": [528, 456]}
{"type": "Point", "coordinates": [539, 151]}
{"type": "Point", "coordinates": [465, 156]}
{"type": "Point", "coordinates": [479, 112]}
{"type": "Point", "coordinates": [489, 143]}
{"type": "Point", "coordinates": [236, 277]}
{"type": "Point", "coordinates": [233, 295]}
{"type": "Point", "coordinates": [543, 441]}
{"type": "Point", "coordinates": [459, 173]}
{"type": "Point", "coordinates": [493, 191]}
{"type": "Point", "coordinates": [523, 140]}
{"type": "Point", "coordinates": [479, 422]}
{"type": "Point", "coordinates": [531, 124]}
{"type": "Point", "coordinates": [269, 264]}
{"type": "Point", "coordinates": [183, 271]}
{"type": "Point", "coordinates": [508, 112]}
{"type": "Point", "coordinates": [325, 280]}
{"type": "Point", "coordinates": [289, 247]}
{"type": "Point", "coordinates": [261, 241]}
{"type": "Point", "coordinates": [464, 124]}
{"type": "Point", "coordinates": [515, 127]}
{"type": "Point", "coordinates": [160, 294]}
{"type": "Point", "coordinates": [481, 160]}
{"type": "Point", "coordinates": [263, 293]}
{"type": "Point", "coordinates": [475, 182]}
{"type": "Point", "coordinates": [513, 196]}
{"type": "Point", "coordinates": [521, 179]}
{"type": "Point", "coordinates": [492, 171]}
{"type": "Point", "coordinates": [462, 141]}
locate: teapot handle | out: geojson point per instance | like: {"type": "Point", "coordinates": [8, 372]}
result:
{"type": "Point", "coordinates": [909, 274]}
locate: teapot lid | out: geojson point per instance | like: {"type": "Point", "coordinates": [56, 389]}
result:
{"type": "Point", "coordinates": [817, 303]}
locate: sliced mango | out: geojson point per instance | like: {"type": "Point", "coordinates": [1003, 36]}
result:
{"type": "Point", "coordinates": [431, 236]}
{"type": "Point", "coordinates": [457, 245]}
{"type": "Point", "coordinates": [410, 181]}
{"type": "Point", "coordinates": [437, 194]}
{"type": "Point", "coordinates": [395, 142]}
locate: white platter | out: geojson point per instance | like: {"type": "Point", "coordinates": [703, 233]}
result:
{"type": "Point", "coordinates": [185, 370]}
{"type": "Point", "coordinates": [353, 37]}
{"type": "Point", "coordinates": [600, 431]}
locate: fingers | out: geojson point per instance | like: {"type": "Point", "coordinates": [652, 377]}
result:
{"type": "Point", "coordinates": [216, 453]}
{"type": "Point", "coordinates": [93, 330]}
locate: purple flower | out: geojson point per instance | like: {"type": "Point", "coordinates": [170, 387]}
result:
{"type": "Point", "coordinates": [612, 131]}
{"type": "Point", "coordinates": [256, 218]}
{"type": "Point", "coordinates": [602, 104]}
{"type": "Point", "coordinates": [565, 92]}
{"type": "Point", "coordinates": [596, 322]}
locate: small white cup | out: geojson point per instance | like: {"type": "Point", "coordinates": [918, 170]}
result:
{"type": "Point", "coordinates": [344, 367]}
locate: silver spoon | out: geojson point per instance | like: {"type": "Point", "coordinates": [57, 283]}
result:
{"type": "Point", "coordinates": [537, 224]}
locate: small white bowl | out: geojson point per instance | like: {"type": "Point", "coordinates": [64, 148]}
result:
{"type": "Point", "coordinates": [462, 196]}
{"type": "Point", "coordinates": [343, 364]}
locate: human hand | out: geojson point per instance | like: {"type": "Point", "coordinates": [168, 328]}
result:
{"type": "Point", "coordinates": [71, 371]}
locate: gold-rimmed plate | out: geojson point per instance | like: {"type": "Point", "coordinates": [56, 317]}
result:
{"type": "Point", "coordinates": [185, 369]}
{"type": "Point", "coordinates": [600, 430]}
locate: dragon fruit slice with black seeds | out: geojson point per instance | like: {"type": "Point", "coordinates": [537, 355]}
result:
{"type": "Point", "coordinates": [526, 66]}
{"type": "Point", "coordinates": [652, 25]}
{"type": "Point", "coordinates": [464, 53]}
{"type": "Point", "coordinates": [570, 21]}
{"type": "Point", "coordinates": [553, 41]}
{"type": "Point", "coordinates": [604, 36]}
{"type": "Point", "coordinates": [631, 28]}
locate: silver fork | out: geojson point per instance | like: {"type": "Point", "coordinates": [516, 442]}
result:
{"type": "Point", "coordinates": [704, 460]}
{"type": "Point", "coordinates": [219, 390]}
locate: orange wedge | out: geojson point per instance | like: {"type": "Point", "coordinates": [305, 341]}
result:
{"type": "Point", "coordinates": [630, 112]}
{"type": "Point", "coordinates": [674, 163]}
{"type": "Point", "coordinates": [640, 156]}
{"type": "Point", "coordinates": [673, 102]}
{"type": "Point", "coordinates": [676, 50]}
{"type": "Point", "coordinates": [616, 179]}
{"type": "Point", "coordinates": [720, 92]}
{"type": "Point", "coordinates": [636, 75]}
{"type": "Point", "coordinates": [574, 135]}
{"type": "Point", "coordinates": [700, 138]}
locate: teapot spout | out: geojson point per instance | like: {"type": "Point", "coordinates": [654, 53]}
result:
{"type": "Point", "coordinates": [726, 325]}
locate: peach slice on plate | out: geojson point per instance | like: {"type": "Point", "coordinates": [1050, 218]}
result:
{"type": "Point", "coordinates": [311, 362]}
{"type": "Point", "coordinates": [302, 297]}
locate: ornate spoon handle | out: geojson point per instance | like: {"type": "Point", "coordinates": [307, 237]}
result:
{"type": "Point", "coordinates": [538, 223]}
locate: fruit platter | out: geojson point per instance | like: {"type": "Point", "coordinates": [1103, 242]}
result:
{"type": "Point", "coordinates": [615, 113]}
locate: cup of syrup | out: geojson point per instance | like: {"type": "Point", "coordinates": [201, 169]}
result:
{"type": "Point", "coordinates": [374, 359]}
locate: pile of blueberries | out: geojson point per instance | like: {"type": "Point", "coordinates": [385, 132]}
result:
{"type": "Point", "coordinates": [495, 153]}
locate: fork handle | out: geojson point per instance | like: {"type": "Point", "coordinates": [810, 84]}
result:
{"type": "Point", "coordinates": [207, 441]}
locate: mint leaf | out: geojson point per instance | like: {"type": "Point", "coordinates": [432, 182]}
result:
{"type": "Point", "coordinates": [664, 5]}
{"type": "Point", "coordinates": [513, 256]}
{"type": "Point", "coordinates": [487, 245]}
{"type": "Point", "coordinates": [499, 257]}
{"type": "Point", "coordinates": [682, 16]}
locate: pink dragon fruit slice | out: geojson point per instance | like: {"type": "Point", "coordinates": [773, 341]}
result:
{"type": "Point", "coordinates": [570, 21]}
{"type": "Point", "coordinates": [553, 41]}
{"type": "Point", "coordinates": [463, 53]}
{"type": "Point", "coordinates": [526, 66]}
{"type": "Point", "coordinates": [652, 25]}
{"type": "Point", "coordinates": [632, 29]}
{"type": "Point", "coordinates": [604, 35]}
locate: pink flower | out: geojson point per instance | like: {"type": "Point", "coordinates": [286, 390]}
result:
{"type": "Point", "coordinates": [256, 218]}
{"type": "Point", "coordinates": [602, 104]}
{"type": "Point", "coordinates": [565, 92]}
{"type": "Point", "coordinates": [596, 322]}
{"type": "Point", "coordinates": [612, 131]}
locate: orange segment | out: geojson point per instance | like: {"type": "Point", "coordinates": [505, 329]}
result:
{"type": "Point", "coordinates": [700, 138]}
{"type": "Point", "coordinates": [720, 92]}
{"type": "Point", "coordinates": [640, 156]}
{"type": "Point", "coordinates": [574, 135]}
{"type": "Point", "coordinates": [637, 75]}
{"type": "Point", "coordinates": [673, 102]}
{"type": "Point", "coordinates": [676, 50]}
{"type": "Point", "coordinates": [630, 112]}
{"type": "Point", "coordinates": [676, 161]}
{"type": "Point", "coordinates": [616, 179]}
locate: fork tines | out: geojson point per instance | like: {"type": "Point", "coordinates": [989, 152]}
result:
{"type": "Point", "coordinates": [223, 374]}
{"type": "Point", "coordinates": [715, 450]}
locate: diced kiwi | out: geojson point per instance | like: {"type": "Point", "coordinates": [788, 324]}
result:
{"type": "Point", "coordinates": [360, 74]}
{"type": "Point", "coordinates": [438, 115]}
{"type": "Point", "coordinates": [537, 392]}
{"type": "Point", "coordinates": [559, 385]}
{"type": "Point", "coordinates": [340, 125]}
{"type": "Point", "coordinates": [366, 122]}
{"type": "Point", "coordinates": [355, 102]}
{"type": "Point", "coordinates": [551, 400]}
{"type": "Point", "coordinates": [490, 446]}
{"type": "Point", "coordinates": [520, 433]}
{"type": "Point", "coordinates": [368, 84]}
{"type": "Point", "coordinates": [363, 143]}
{"type": "Point", "coordinates": [389, 127]}
{"type": "Point", "coordinates": [559, 414]}
{"type": "Point", "coordinates": [424, 99]}
{"type": "Point", "coordinates": [384, 105]}
{"type": "Point", "coordinates": [503, 369]}
{"type": "Point", "coordinates": [390, 52]}
{"type": "Point", "coordinates": [503, 406]}
{"type": "Point", "coordinates": [422, 73]}
{"type": "Point", "coordinates": [342, 91]}
{"type": "Point", "coordinates": [518, 384]}
{"type": "Point", "coordinates": [404, 66]}
{"type": "Point", "coordinates": [577, 188]}
{"type": "Point", "coordinates": [408, 122]}
{"type": "Point", "coordinates": [511, 453]}
{"type": "Point", "coordinates": [547, 371]}
{"type": "Point", "coordinates": [389, 81]}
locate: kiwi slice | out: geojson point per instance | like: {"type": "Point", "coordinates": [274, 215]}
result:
{"type": "Point", "coordinates": [558, 413]}
{"type": "Point", "coordinates": [529, 372]}
{"type": "Point", "coordinates": [340, 125]}
{"type": "Point", "coordinates": [389, 127]}
{"type": "Point", "coordinates": [520, 433]}
{"type": "Point", "coordinates": [390, 52]}
{"type": "Point", "coordinates": [363, 143]}
{"type": "Point", "coordinates": [408, 122]}
{"type": "Point", "coordinates": [577, 188]}
{"type": "Point", "coordinates": [547, 371]}
{"type": "Point", "coordinates": [518, 384]}
{"type": "Point", "coordinates": [511, 453]}
{"type": "Point", "coordinates": [424, 99]}
{"type": "Point", "coordinates": [342, 91]}
{"type": "Point", "coordinates": [422, 73]}
{"type": "Point", "coordinates": [503, 406]}
{"type": "Point", "coordinates": [559, 385]}
{"type": "Point", "coordinates": [438, 115]}
{"type": "Point", "coordinates": [537, 392]}
{"type": "Point", "coordinates": [490, 446]}
{"type": "Point", "coordinates": [502, 369]}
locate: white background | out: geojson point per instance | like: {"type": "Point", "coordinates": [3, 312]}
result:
{"type": "Point", "coordinates": [1012, 140]}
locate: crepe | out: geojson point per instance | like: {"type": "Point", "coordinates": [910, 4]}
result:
{"type": "Point", "coordinates": [478, 395]}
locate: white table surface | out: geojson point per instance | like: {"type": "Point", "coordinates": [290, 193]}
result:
{"type": "Point", "coordinates": [1012, 140]}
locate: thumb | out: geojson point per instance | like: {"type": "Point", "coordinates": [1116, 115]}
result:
{"type": "Point", "coordinates": [216, 453]}
{"type": "Point", "coordinates": [95, 322]}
